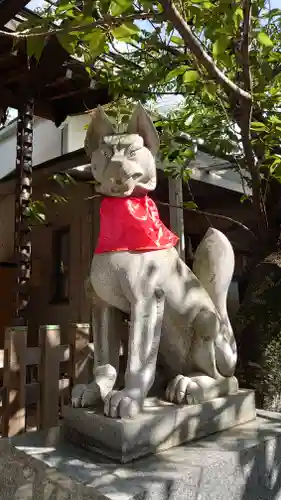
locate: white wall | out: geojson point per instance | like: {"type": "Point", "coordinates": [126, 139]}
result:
{"type": "Point", "coordinates": [47, 144]}
{"type": "Point", "coordinates": [7, 151]}
{"type": "Point", "coordinates": [49, 141]}
{"type": "Point", "coordinates": [76, 130]}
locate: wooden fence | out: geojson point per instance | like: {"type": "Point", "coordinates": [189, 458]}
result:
{"type": "Point", "coordinates": [55, 367]}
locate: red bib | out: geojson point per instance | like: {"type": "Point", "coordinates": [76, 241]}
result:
{"type": "Point", "coordinates": [132, 224]}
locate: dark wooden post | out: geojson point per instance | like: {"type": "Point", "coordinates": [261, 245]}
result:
{"type": "Point", "coordinates": [22, 241]}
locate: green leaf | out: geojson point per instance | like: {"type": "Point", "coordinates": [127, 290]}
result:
{"type": "Point", "coordinates": [59, 179]}
{"type": "Point", "coordinates": [35, 46]}
{"type": "Point", "coordinates": [74, 24]}
{"type": "Point", "coordinates": [273, 167]}
{"type": "Point", "coordinates": [238, 16]}
{"type": "Point", "coordinates": [180, 70]}
{"type": "Point", "coordinates": [186, 174]}
{"type": "Point", "coordinates": [273, 12]}
{"type": "Point", "coordinates": [177, 40]}
{"type": "Point", "coordinates": [188, 153]}
{"type": "Point", "coordinates": [258, 126]}
{"type": "Point", "coordinates": [117, 7]}
{"type": "Point", "coordinates": [63, 6]}
{"type": "Point", "coordinates": [264, 39]}
{"type": "Point", "coordinates": [220, 46]}
{"type": "Point", "coordinates": [96, 42]}
{"type": "Point", "coordinates": [190, 76]}
{"type": "Point", "coordinates": [277, 173]}
{"type": "Point", "coordinates": [275, 119]}
{"type": "Point", "coordinates": [68, 42]}
{"type": "Point", "coordinates": [125, 32]}
{"type": "Point", "coordinates": [226, 59]}
{"type": "Point", "coordinates": [211, 88]}
{"type": "Point", "coordinates": [190, 204]}
{"type": "Point", "coordinates": [159, 7]}
{"type": "Point", "coordinates": [159, 123]}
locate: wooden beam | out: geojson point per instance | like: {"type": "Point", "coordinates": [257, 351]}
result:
{"type": "Point", "coordinates": [70, 93]}
{"type": "Point", "coordinates": [49, 338]}
{"type": "Point", "coordinates": [60, 81]}
{"type": "Point", "coordinates": [14, 381]}
{"type": "Point", "coordinates": [47, 169]}
{"type": "Point", "coordinates": [9, 8]}
{"type": "Point", "coordinates": [176, 214]}
{"type": "Point", "coordinates": [81, 356]}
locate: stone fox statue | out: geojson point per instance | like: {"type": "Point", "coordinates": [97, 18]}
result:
{"type": "Point", "coordinates": [176, 316]}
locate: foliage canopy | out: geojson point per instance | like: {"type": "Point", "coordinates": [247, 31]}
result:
{"type": "Point", "coordinates": [222, 56]}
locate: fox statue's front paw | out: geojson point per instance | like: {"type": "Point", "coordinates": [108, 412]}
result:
{"type": "Point", "coordinates": [87, 395]}
{"type": "Point", "coordinates": [183, 390]}
{"type": "Point", "coordinates": [199, 388]}
{"type": "Point", "coordinates": [123, 404]}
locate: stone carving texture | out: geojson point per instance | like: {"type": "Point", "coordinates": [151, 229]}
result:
{"type": "Point", "coordinates": [178, 316]}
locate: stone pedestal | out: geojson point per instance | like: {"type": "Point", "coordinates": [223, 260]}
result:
{"type": "Point", "coordinates": [160, 426]}
{"type": "Point", "coordinates": [242, 463]}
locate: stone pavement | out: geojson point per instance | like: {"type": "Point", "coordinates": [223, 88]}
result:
{"type": "Point", "coordinates": [242, 463]}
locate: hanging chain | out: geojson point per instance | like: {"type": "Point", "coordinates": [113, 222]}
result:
{"type": "Point", "coordinates": [22, 242]}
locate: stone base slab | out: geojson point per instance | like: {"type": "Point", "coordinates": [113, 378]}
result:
{"type": "Point", "coordinates": [242, 463]}
{"type": "Point", "coordinates": [160, 426]}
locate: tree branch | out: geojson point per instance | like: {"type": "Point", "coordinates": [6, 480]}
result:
{"type": "Point", "coordinates": [201, 55]}
{"type": "Point", "coordinates": [195, 210]}
{"type": "Point", "coordinates": [245, 119]}
{"type": "Point", "coordinates": [245, 45]}
{"type": "Point", "coordinates": [105, 22]}
{"type": "Point", "coordinates": [209, 214]}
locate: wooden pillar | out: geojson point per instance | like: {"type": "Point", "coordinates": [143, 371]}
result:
{"type": "Point", "coordinates": [22, 237]}
{"type": "Point", "coordinates": [49, 375]}
{"type": "Point", "coordinates": [176, 213]}
{"type": "Point", "coordinates": [14, 381]}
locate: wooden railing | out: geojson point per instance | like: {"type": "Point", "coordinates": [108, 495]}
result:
{"type": "Point", "coordinates": [56, 368]}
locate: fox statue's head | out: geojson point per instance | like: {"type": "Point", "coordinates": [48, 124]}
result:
{"type": "Point", "coordinates": [123, 164]}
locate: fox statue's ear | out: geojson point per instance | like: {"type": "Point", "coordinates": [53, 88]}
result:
{"type": "Point", "coordinates": [99, 126]}
{"type": "Point", "coordinates": [141, 124]}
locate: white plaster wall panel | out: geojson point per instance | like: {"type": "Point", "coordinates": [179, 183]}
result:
{"type": "Point", "coordinates": [76, 131]}
{"type": "Point", "coordinates": [47, 142]}
{"type": "Point", "coordinates": [7, 153]}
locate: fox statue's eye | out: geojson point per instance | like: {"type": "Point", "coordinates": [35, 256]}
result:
{"type": "Point", "coordinates": [106, 154]}
{"type": "Point", "coordinates": [131, 151]}
{"type": "Point", "coordinates": [131, 154]}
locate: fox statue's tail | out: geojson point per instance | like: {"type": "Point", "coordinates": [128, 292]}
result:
{"type": "Point", "coordinates": [214, 266]}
